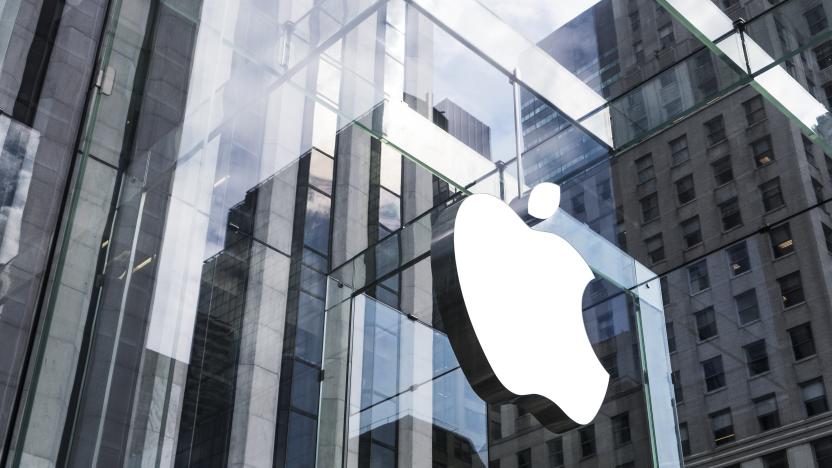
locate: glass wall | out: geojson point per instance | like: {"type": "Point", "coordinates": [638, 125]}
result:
{"type": "Point", "coordinates": [217, 220]}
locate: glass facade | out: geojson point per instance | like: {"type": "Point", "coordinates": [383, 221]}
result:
{"type": "Point", "coordinates": [216, 221]}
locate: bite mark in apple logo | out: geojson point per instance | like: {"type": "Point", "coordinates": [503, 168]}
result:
{"type": "Point", "coordinates": [510, 299]}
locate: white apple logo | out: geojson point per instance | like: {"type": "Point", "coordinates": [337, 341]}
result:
{"type": "Point", "coordinates": [510, 300]}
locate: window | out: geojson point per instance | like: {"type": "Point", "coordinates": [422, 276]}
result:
{"type": "Point", "coordinates": [754, 110]}
{"type": "Point", "coordinates": [823, 451]}
{"type": "Point", "coordinates": [715, 130]}
{"type": "Point", "coordinates": [587, 436]}
{"type": "Point", "coordinates": [778, 459]}
{"type": "Point", "coordinates": [747, 308]}
{"type": "Point", "coordinates": [675, 378]}
{"type": "Point", "coordinates": [671, 337]}
{"type": "Point", "coordinates": [666, 36]}
{"type": "Point", "coordinates": [638, 51]}
{"type": "Point", "coordinates": [685, 191]}
{"type": "Point", "coordinates": [649, 207]}
{"type": "Point", "coordinates": [803, 343]}
{"type": "Point", "coordinates": [555, 447]}
{"type": "Point", "coordinates": [635, 21]}
{"type": "Point", "coordinates": [524, 458]}
{"type": "Point", "coordinates": [730, 213]}
{"type": "Point", "coordinates": [722, 170]}
{"type": "Point", "coordinates": [827, 236]}
{"type": "Point", "coordinates": [655, 248]}
{"type": "Point", "coordinates": [817, 187]}
{"type": "Point", "coordinates": [781, 240]}
{"type": "Point", "coordinates": [738, 258]}
{"type": "Point", "coordinates": [761, 150]}
{"type": "Point", "coordinates": [772, 195]}
{"type": "Point", "coordinates": [814, 397]}
{"type": "Point", "coordinates": [808, 149]}
{"type": "Point", "coordinates": [604, 189]}
{"type": "Point", "coordinates": [644, 169]}
{"type": "Point", "coordinates": [723, 427]}
{"type": "Point", "coordinates": [816, 19]}
{"type": "Point", "coordinates": [679, 150]}
{"type": "Point", "coordinates": [791, 289]}
{"type": "Point", "coordinates": [684, 437]}
{"type": "Point", "coordinates": [766, 409]}
{"type": "Point", "coordinates": [610, 363]}
{"type": "Point", "coordinates": [663, 284]}
{"type": "Point", "coordinates": [698, 277]}
{"type": "Point", "coordinates": [621, 429]}
{"type": "Point", "coordinates": [714, 373]}
{"type": "Point", "coordinates": [606, 329]}
{"type": "Point", "coordinates": [756, 357]}
{"type": "Point", "coordinates": [823, 54]}
{"type": "Point", "coordinates": [706, 323]}
{"type": "Point", "coordinates": [691, 231]}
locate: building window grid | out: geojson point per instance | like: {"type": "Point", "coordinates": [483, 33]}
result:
{"type": "Point", "coordinates": [755, 111]}
{"type": "Point", "coordinates": [715, 130]}
{"type": "Point", "coordinates": [762, 152]}
{"type": "Point", "coordinates": [747, 308]}
{"type": "Point", "coordinates": [738, 260]}
{"type": "Point", "coordinates": [655, 248]}
{"type": "Point", "coordinates": [791, 289]}
{"type": "Point", "coordinates": [768, 416]}
{"type": "Point", "coordinates": [723, 172]}
{"type": "Point", "coordinates": [772, 195]}
{"type": "Point", "coordinates": [782, 243]}
{"type": "Point", "coordinates": [650, 207]}
{"type": "Point", "coordinates": [722, 426]}
{"type": "Point", "coordinates": [730, 214]}
{"type": "Point", "coordinates": [586, 435]}
{"type": "Point", "coordinates": [621, 435]}
{"type": "Point", "coordinates": [679, 150]}
{"type": "Point", "coordinates": [644, 169]}
{"type": "Point", "coordinates": [555, 449]}
{"type": "Point", "coordinates": [691, 231]}
{"type": "Point", "coordinates": [814, 397]}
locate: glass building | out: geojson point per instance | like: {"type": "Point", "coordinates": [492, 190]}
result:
{"type": "Point", "coordinates": [216, 222]}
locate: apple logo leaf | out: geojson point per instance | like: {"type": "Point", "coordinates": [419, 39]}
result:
{"type": "Point", "coordinates": [510, 298]}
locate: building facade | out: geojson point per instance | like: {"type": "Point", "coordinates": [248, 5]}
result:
{"type": "Point", "coordinates": [217, 217]}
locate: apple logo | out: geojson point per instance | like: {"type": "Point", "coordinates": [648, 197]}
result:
{"type": "Point", "coordinates": [510, 299]}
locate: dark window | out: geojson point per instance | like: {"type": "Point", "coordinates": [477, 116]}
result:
{"type": "Point", "coordinates": [791, 289]}
{"type": "Point", "coordinates": [635, 22]}
{"type": "Point", "coordinates": [730, 213]}
{"type": "Point", "coordinates": [706, 323]}
{"type": "Point", "coordinates": [817, 187]}
{"type": "Point", "coordinates": [756, 357]}
{"type": "Point", "coordinates": [621, 429]}
{"type": "Point", "coordinates": [723, 173]}
{"type": "Point", "coordinates": [778, 459]}
{"type": "Point", "coordinates": [698, 276]}
{"type": "Point", "coordinates": [823, 54]}
{"type": "Point", "coordinates": [524, 458]}
{"type": "Point", "coordinates": [587, 436]}
{"type": "Point", "coordinates": [555, 447]}
{"type": "Point", "coordinates": [684, 437]}
{"type": "Point", "coordinates": [816, 19]}
{"type": "Point", "coordinates": [644, 169]}
{"type": "Point", "coordinates": [663, 282]}
{"type": "Point", "coordinates": [679, 150]}
{"type": "Point", "coordinates": [781, 240]}
{"type": "Point", "coordinates": [827, 236]}
{"type": "Point", "coordinates": [714, 373]}
{"type": "Point", "coordinates": [767, 415]}
{"type": "Point", "coordinates": [691, 231]}
{"type": "Point", "coordinates": [808, 149]}
{"type": "Point", "coordinates": [638, 51]}
{"type": "Point", "coordinates": [606, 329]}
{"type": "Point", "coordinates": [738, 258]}
{"type": "Point", "coordinates": [715, 130]}
{"type": "Point", "coordinates": [761, 150]}
{"type": "Point", "coordinates": [754, 110]}
{"type": "Point", "coordinates": [655, 248]}
{"type": "Point", "coordinates": [675, 378]}
{"type": "Point", "coordinates": [610, 363]}
{"type": "Point", "coordinates": [823, 451]}
{"type": "Point", "coordinates": [685, 191]}
{"type": "Point", "coordinates": [723, 427]}
{"type": "Point", "coordinates": [814, 397]}
{"type": "Point", "coordinates": [671, 337]}
{"type": "Point", "coordinates": [803, 343]}
{"type": "Point", "coordinates": [772, 195]}
{"type": "Point", "coordinates": [747, 308]}
{"type": "Point", "coordinates": [650, 207]}
{"type": "Point", "coordinates": [666, 36]}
